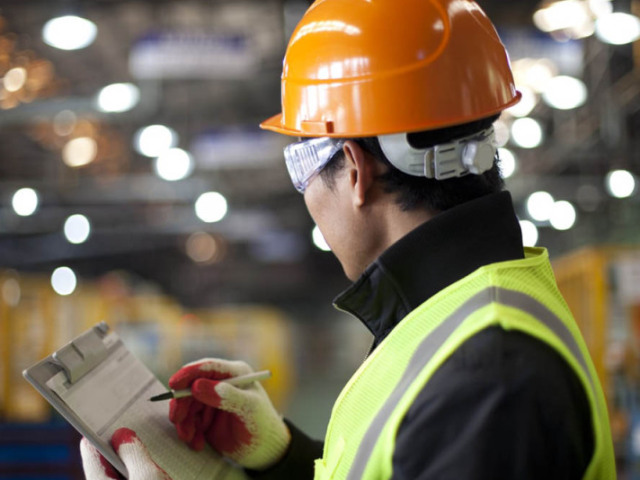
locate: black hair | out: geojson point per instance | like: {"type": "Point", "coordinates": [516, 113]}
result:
{"type": "Point", "coordinates": [427, 193]}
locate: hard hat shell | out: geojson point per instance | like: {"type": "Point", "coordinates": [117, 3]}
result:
{"type": "Point", "coordinates": [356, 68]}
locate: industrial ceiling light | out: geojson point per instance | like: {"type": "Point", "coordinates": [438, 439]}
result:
{"type": "Point", "coordinates": [529, 233]}
{"type": "Point", "coordinates": [64, 281]}
{"type": "Point", "coordinates": [508, 162]}
{"type": "Point", "coordinates": [565, 93]}
{"type": "Point", "coordinates": [318, 240]}
{"type": "Point", "coordinates": [118, 97]}
{"type": "Point", "coordinates": [563, 215]}
{"type": "Point", "coordinates": [572, 17]}
{"type": "Point", "coordinates": [526, 133]}
{"type": "Point", "coordinates": [174, 164]}
{"type": "Point", "coordinates": [153, 140]}
{"type": "Point", "coordinates": [77, 229]}
{"type": "Point", "coordinates": [211, 207]}
{"type": "Point", "coordinates": [15, 79]}
{"type": "Point", "coordinates": [618, 28]}
{"type": "Point", "coordinates": [540, 206]}
{"type": "Point", "coordinates": [557, 15]}
{"type": "Point", "coordinates": [25, 202]}
{"type": "Point", "coordinates": [79, 151]}
{"type": "Point", "coordinates": [69, 32]}
{"type": "Point", "coordinates": [620, 183]}
{"type": "Point", "coordinates": [600, 7]}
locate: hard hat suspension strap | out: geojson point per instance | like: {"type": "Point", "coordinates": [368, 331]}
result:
{"type": "Point", "coordinates": [472, 154]}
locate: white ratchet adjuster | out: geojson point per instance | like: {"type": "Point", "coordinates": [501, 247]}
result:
{"type": "Point", "coordinates": [473, 154]}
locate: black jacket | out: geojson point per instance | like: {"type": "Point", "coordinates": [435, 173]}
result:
{"type": "Point", "coordinates": [504, 405]}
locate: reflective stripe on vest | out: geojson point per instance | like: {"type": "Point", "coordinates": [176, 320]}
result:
{"type": "Point", "coordinates": [432, 343]}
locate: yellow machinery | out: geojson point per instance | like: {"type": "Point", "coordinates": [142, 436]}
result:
{"type": "Point", "coordinates": [34, 321]}
{"type": "Point", "coordinates": [602, 288]}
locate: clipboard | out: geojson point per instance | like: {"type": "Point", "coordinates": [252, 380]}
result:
{"type": "Point", "coordinates": [98, 385]}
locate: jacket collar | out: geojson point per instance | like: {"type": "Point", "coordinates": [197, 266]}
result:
{"type": "Point", "coordinates": [436, 254]}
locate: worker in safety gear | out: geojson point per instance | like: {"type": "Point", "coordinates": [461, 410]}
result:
{"type": "Point", "coordinates": [477, 370]}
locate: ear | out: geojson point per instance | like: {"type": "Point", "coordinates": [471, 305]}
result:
{"type": "Point", "coordinates": [361, 171]}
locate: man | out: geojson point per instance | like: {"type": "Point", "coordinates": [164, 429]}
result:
{"type": "Point", "coordinates": [478, 370]}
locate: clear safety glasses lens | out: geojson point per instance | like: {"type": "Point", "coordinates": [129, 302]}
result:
{"type": "Point", "coordinates": [305, 159]}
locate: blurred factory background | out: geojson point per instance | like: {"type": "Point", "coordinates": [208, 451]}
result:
{"type": "Point", "coordinates": [136, 188]}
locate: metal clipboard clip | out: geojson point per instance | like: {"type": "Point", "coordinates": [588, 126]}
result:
{"type": "Point", "coordinates": [83, 353]}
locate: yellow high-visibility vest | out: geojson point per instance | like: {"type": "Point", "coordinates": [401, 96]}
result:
{"type": "Point", "coordinates": [516, 295]}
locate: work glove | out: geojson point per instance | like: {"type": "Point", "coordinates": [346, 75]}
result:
{"type": "Point", "coordinates": [131, 451]}
{"type": "Point", "coordinates": [238, 422]}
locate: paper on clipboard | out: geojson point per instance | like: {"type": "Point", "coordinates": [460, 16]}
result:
{"type": "Point", "coordinates": [115, 394]}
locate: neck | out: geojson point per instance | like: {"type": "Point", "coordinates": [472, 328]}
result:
{"type": "Point", "coordinates": [383, 226]}
{"type": "Point", "coordinates": [431, 257]}
{"type": "Point", "coordinates": [400, 223]}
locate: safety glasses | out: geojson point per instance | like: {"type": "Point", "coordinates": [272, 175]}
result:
{"type": "Point", "coordinates": [307, 158]}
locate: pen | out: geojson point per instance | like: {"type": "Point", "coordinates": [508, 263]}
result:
{"type": "Point", "coordinates": [239, 381]}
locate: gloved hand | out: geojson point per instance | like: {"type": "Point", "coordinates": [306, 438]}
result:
{"type": "Point", "coordinates": [238, 422]}
{"type": "Point", "coordinates": [131, 451]}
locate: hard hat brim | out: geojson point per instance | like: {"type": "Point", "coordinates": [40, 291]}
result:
{"type": "Point", "coordinates": [274, 124]}
{"type": "Point", "coordinates": [312, 129]}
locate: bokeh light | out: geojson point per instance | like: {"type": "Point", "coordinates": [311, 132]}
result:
{"type": "Point", "coordinates": [69, 32]}
{"type": "Point", "coordinates": [77, 229]}
{"type": "Point", "coordinates": [526, 133]}
{"type": "Point", "coordinates": [80, 151]}
{"type": "Point", "coordinates": [564, 92]}
{"type": "Point", "coordinates": [571, 17]}
{"type": "Point", "coordinates": [563, 215]}
{"type": "Point", "coordinates": [211, 207]}
{"type": "Point", "coordinates": [25, 202]}
{"type": "Point", "coordinates": [620, 183]}
{"type": "Point", "coordinates": [318, 240]}
{"type": "Point", "coordinates": [64, 122]}
{"type": "Point", "coordinates": [15, 79]}
{"type": "Point", "coordinates": [174, 164]}
{"type": "Point", "coordinates": [203, 247]}
{"type": "Point", "coordinates": [529, 233]}
{"type": "Point", "coordinates": [11, 291]}
{"type": "Point", "coordinates": [618, 28]}
{"type": "Point", "coordinates": [153, 140]}
{"type": "Point", "coordinates": [539, 206]}
{"type": "Point", "coordinates": [508, 163]}
{"type": "Point", "coordinates": [118, 97]}
{"type": "Point", "coordinates": [64, 281]}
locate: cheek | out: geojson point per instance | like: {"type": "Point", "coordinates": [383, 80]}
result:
{"type": "Point", "coordinates": [313, 201]}
{"type": "Point", "coordinates": [320, 211]}
{"type": "Point", "coordinates": [308, 203]}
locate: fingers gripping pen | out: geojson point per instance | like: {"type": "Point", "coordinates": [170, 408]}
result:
{"type": "Point", "coordinates": [239, 381]}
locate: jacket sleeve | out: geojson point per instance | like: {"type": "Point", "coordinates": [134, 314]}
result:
{"type": "Point", "coordinates": [297, 462]}
{"type": "Point", "coordinates": [503, 406]}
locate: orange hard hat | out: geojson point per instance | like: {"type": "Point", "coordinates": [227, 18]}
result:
{"type": "Point", "coordinates": [356, 68]}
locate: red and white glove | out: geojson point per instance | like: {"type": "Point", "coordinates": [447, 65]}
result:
{"type": "Point", "coordinates": [238, 422]}
{"type": "Point", "coordinates": [131, 451]}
